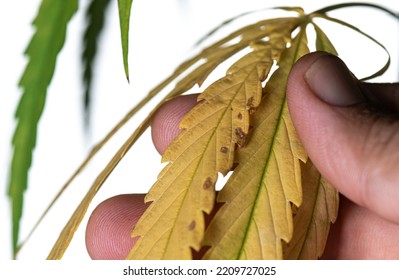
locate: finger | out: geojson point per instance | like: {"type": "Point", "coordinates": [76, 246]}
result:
{"type": "Point", "coordinates": [354, 148]}
{"type": "Point", "coordinates": [108, 232]}
{"type": "Point", "coordinates": [165, 125]}
{"type": "Point", "coordinates": [360, 234]}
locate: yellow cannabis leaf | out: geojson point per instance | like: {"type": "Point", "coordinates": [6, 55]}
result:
{"type": "Point", "coordinates": [313, 218]}
{"type": "Point", "coordinates": [185, 188]}
{"type": "Point", "coordinates": [218, 52]}
{"type": "Point", "coordinates": [174, 222]}
{"type": "Point", "coordinates": [212, 57]}
{"type": "Point", "coordinates": [256, 214]}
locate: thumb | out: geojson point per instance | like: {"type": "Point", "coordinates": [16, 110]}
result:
{"type": "Point", "coordinates": [343, 126]}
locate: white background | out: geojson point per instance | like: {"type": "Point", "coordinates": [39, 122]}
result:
{"type": "Point", "coordinates": [162, 35]}
{"type": "Point", "coordinates": [105, 270]}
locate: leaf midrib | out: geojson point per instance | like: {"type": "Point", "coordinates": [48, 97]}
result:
{"type": "Point", "coordinates": [259, 187]}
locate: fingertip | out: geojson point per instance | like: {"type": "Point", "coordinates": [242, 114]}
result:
{"type": "Point", "coordinates": [296, 83]}
{"type": "Point", "coordinates": [165, 125]}
{"type": "Point", "coordinates": [108, 232]}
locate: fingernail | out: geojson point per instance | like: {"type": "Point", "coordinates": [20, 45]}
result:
{"type": "Point", "coordinates": [330, 79]}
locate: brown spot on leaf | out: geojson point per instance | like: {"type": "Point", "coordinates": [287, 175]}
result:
{"type": "Point", "coordinates": [207, 184]}
{"type": "Point", "coordinates": [224, 150]}
{"type": "Point", "coordinates": [239, 133]}
{"type": "Point", "coordinates": [241, 137]}
{"type": "Point", "coordinates": [191, 226]}
{"type": "Point", "coordinates": [250, 105]}
{"type": "Point", "coordinates": [250, 102]}
{"type": "Point", "coordinates": [239, 116]}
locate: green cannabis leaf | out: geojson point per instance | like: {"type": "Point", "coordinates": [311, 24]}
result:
{"type": "Point", "coordinates": [124, 20]}
{"type": "Point", "coordinates": [95, 21]}
{"type": "Point", "coordinates": [51, 25]}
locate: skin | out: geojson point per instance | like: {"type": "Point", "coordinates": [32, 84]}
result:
{"type": "Point", "coordinates": [350, 130]}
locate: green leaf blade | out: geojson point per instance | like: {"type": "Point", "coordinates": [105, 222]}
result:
{"type": "Point", "coordinates": [124, 7]}
{"type": "Point", "coordinates": [51, 23]}
{"type": "Point", "coordinates": [95, 16]}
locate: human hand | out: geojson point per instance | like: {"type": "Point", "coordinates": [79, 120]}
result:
{"type": "Point", "coordinates": [350, 130]}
